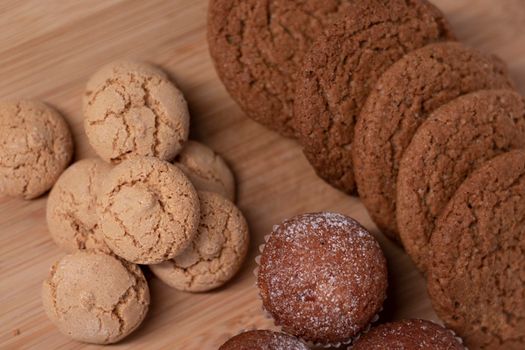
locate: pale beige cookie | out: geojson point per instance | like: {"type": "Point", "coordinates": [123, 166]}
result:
{"type": "Point", "coordinates": [206, 169]}
{"type": "Point", "coordinates": [94, 297]}
{"type": "Point", "coordinates": [71, 207]}
{"type": "Point", "coordinates": [35, 147]}
{"type": "Point", "coordinates": [216, 253]}
{"type": "Point", "coordinates": [133, 109]}
{"type": "Point", "coordinates": [149, 210]}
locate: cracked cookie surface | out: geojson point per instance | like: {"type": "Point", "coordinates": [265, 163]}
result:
{"type": "Point", "coordinates": [148, 210]}
{"type": "Point", "coordinates": [322, 277]}
{"type": "Point", "coordinates": [94, 297]}
{"type": "Point", "coordinates": [408, 335]}
{"type": "Point", "coordinates": [477, 273]}
{"type": "Point", "coordinates": [401, 100]}
{"type": "Point", "coordinates": [36, 146]}
{"type": "Point", "coordinates": [263, 340]}
{"type": "Point", "coordinates": [132, 109]}
{"type": "Point", "coordinates": [455, 140]}
{"type": "Point", "coordinates": [71, 206]}
{"type": "Point", "coordinates": [340, 70]}
{"type": "Point", "coordinates": [206, 169]}
{"type": "Point", "coordinates": [215, 254]}
{"type": "Point", "coordinates": [258, 48]}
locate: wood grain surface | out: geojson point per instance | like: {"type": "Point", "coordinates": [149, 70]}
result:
{"type": "Point", "coordinates": [49, 48]}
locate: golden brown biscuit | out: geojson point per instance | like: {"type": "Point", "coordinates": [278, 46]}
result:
{"type": "Point", "coordinates": [71, 207]}
{"type": "Point", "coordinates": [215, 254]}
{"type": "Point", "coordinates": [132, 109]}
{"type": "Point", "coordinates": [36, 146]}
{"type": "Point", "coordinates": [94, 297]}
{"type": "Point", "coordinates": [149, 210]}
{"type": "Point", "coordinates": [206, 169]}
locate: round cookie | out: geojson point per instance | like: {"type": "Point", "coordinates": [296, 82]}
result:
{"type": "Point", "coordinates": [206, 169]}
{"type": "Point", "coordinates": [215, 254]}
{"type": "Point", "coordinates": [408, 335]}
{"type": "Point", "coordinates": [477, 272]}
{"type": "Point", "coordinates": [263, 340]}
{"type": "Point", "coordinates": [402, 99]}
{"type": "Point", "coordinates": [71, 206]}
{"type": "Point", "coordinates": [149, 210]}
{"type": "Point", "coordinates": [36, 146]}
{"type": "Point", "coordinates": [341, 68]}
{"type": "Point", "coordinates": [95, 298]}
{"type": "Point", "coordinates": [456, 139]}
{"type": "Point", "coordinates": [132, 109]}
{"type": "Point", "coordinates": [258, 47]}
{"type": "Point", "coordinates": [322, 277]}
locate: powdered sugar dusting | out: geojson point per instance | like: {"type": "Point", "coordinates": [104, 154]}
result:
{"type": "Point", "coordinates": [322, 277]}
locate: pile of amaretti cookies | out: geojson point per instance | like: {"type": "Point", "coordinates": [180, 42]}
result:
{"type": "Point", "coordinates": [429, 132]}
{"type": "Point", "coordinates": [152, 198]}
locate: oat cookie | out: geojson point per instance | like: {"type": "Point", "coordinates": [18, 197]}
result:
{"type": "Point", "coordinates": [258, 47]}
{"type": "Point", "coordinates": [94, 297]}
{"type": "Point", "coordinates": [477, 272]}
{"type": "Point", "coordinates": [36, 146]}
{"type": "Point", "coordinates": [401, 100]}
{"type": "Point", "coordinates": [206, 169]}
{"type": "Point", "coordinates": [341, 68]}
{"type": "Point", "coordinates": [71, 207]}
{"type": "Point", "coordinates": [455, 140]}
{"type": "Point", "coordinates": [215, 254]}
{"type": "Point", "coordinates": [132, 109]}
{"type": "Point", "coordinates": [149, 210]}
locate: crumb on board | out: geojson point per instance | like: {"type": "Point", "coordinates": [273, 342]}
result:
{"type": "Point", "coordinates": [16, 332]}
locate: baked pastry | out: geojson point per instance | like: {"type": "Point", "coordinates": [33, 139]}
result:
{"type": "Point", "coordinates": [263, 340]}
{"type": "Point", "coordinates": [322, 277]}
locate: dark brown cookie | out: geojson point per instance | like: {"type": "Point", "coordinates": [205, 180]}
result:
{"type": "Point", "coordinates": [258, 46]}
{"type": "Point", "coordinates": [322, 277]}
{"type": "Point", "coordinates": [477, 272]}
{"type": "Point", "coordinates": [263, 340]}
{"type": "Point", "coordinates": [408, 335]}
{"type": "Point", "coordinates": [447, 147]}
{"type": "Point", "coordinates": [401, 100]}
{"type": "Point", "coordinates": [341, 68]}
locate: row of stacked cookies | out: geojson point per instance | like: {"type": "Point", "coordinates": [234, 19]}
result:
{"type": "Point", "coordinates": [152, 198]}
{"type": "Point", "coordinates": [385, 103]}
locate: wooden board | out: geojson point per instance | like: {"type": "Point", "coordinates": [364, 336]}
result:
{"type": "Point", "coordinates": [48, 49]}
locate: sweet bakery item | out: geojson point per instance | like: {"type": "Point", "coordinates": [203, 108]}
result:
{"type": "Point", "coordinates": [401, 100]}
{"type": "Point", "coordinates": [132, 109]}
{"type": "Point", "coordinates": [258, 47]}
{"type": "Point", "coordinates": [322, 277]}
{"type": "Point", "coordinates": [71, 206]}
{"type": "Point", "coordinates": [455, 140]}
{"type": "Point", "coordinates": [477, 272]}
{"type": "Point", "coordinates": [206, 169]}
{"type": "Point", "coordinates": [94, 297]}
{"type": "Point", "coordinates": [149, 210]}
{"type": "Point", "coordinates": [341, 68]}
{"type": "Point", "coordinates": [263, 340]}
{"type": "Point", "coordinates": [36, 146]}
{"type": "Point", "coordinates": [215, 254]}
{"type": "Point", "coordinates": [408, 335]}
